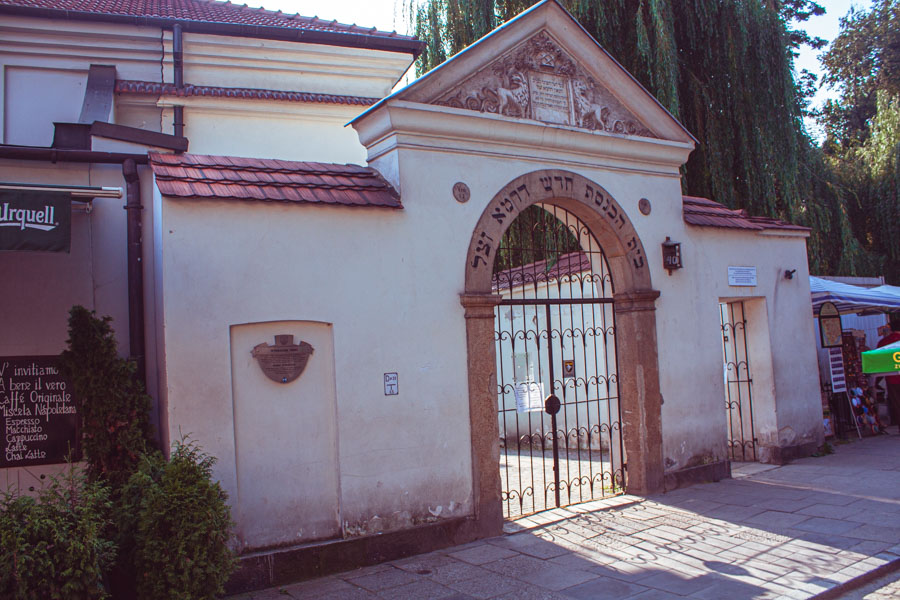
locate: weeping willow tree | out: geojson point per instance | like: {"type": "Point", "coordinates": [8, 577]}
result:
{"type": "Point", "coordinates": [724, 68]}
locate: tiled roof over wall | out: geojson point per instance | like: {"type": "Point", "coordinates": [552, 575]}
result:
{"type": "Point", "coordinates": [211, 11]}
{"type": "Point", "coordinates": [168, 89]}
{"type": "Point", "coordinates": [706, 213]}
{"type": "Point", "coordinates": [542, 271]}
{"type": "Point", "coordinates": [150, 12]}
{"type": "Point", "coordinates": [200, 176]}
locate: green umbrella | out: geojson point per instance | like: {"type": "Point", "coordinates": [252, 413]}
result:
{"type": "Point", "coordinates": [884, 360]}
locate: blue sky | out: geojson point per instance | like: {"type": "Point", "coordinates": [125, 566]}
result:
{"type": "Point", "coordinates": [827, 26]}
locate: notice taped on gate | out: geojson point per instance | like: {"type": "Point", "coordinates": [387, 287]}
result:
{"type": "Point", "coordinates": [529, 396]}
{"type": "Point", "coordinates": [38, 414]}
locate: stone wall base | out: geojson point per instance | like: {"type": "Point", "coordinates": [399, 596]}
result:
{"type": "Point", "coordinates": [780, 455]}
{"type": "Point", "coordinates": [288, 565]}
{"type": "Point", "coordinates": [700, 474]}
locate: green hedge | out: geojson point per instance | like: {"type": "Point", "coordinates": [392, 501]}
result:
{"type": "Point", "coordinates": [114, 409]}
{"type": "Point", "coordinates": [175, 526]}
{"type": "Point", "coordinates": [56, 545]}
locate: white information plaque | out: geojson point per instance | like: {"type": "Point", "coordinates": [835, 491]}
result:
{"type": "Point", "coordinates": [742, 276]}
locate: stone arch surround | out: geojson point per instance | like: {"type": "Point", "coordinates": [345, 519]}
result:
{"type": "Point", "coordinates": [636, 343]}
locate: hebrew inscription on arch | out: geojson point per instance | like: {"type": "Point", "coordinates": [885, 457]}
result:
{"type": "Point", "coordinates": [538, 80]}
{"type": "Point", "coordinates": [541, 187]}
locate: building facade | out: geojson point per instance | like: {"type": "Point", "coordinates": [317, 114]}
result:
{"type": "Point", "coordinates": [367, 253]}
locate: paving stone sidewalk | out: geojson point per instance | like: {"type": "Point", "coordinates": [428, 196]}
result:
{"type": "Point", "coordinates": [883, 588]}
{"type": "Point", "coordinates": [769, 532]}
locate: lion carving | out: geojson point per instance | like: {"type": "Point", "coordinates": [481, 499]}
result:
{"type": "Point", "coordinates": [513, 98]}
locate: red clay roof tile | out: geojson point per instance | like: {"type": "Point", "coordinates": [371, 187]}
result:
{"type": "Point", "coordinates": [205, 11]}
{"type": "Point", "coordinates": [541, 271]}
{"type": "Point", "coordinates": [230, 177]}
{"type": "Point", "coordinates": [706, 213]}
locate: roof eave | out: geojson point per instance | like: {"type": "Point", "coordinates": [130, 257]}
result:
{"type": "Point", "coordinates": [730, 227]}
{"type": "Point", "coordinates": [307, 36]}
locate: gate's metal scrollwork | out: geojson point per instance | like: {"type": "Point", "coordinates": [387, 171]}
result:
{"type": "Point", "coordinates": [738, 383]}
{"type": "Point", "coordinates": [555, 334]}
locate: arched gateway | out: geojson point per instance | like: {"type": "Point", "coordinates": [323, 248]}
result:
{"type": "Point", "coordinates": [578, 199]}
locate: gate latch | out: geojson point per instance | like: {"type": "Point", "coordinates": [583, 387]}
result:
{"type": "Point", "coordinates": [551, 404]}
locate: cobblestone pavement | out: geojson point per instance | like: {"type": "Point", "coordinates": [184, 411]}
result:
{"type": "Point", "coordinates": [790, 532]}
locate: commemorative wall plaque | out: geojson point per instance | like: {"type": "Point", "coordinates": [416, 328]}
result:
{"type": "Point", "coordinates": [284, 361]}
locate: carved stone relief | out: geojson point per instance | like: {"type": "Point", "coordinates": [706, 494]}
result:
{"type": "Point", "coordinates": [538, 80]}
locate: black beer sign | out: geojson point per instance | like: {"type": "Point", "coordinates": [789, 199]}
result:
{"type": "Point", "coordinates": [35, 220]}
{"type": "Point", "coordinates": [38, 415]}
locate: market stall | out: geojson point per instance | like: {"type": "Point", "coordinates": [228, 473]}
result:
{"type": "Point", "coordinates": [853, 299]}
{"type": "Point", "coordinates": [843, 313]}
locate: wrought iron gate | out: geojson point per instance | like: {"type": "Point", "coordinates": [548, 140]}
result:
{"type": "Point", "coordinates": [738, 383]}
{"type": "Point", "coordinates": [555, 336]}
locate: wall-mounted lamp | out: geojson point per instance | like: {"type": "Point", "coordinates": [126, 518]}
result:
{"type": "Point", "coordinates": [671, 252]}
{"type": "Point", "coordinates": [789, 273]}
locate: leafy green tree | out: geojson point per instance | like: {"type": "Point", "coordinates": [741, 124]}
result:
{"type": "Point", "coordinates": [863, 129]}
{"type": "Point", "coordinates": [797, 11]}
{"type": "Point", "coordinates": [114, 408]}
{"type": "Point", "coordinates": [863, 60]}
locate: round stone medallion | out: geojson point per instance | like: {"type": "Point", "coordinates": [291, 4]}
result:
{"type": "Point", "coordinates": [461, 192]}
{"type": "Point", "coordinates": [644, 206]}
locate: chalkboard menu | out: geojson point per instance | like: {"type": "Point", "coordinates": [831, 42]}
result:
{"type": "Point", "coordinates": [38, 414]}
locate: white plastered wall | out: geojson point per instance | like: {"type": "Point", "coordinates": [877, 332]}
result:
{"type": "Point", "coordinates": [389, 282]}
{"type": "Point", "coordinates": [225, 61]}
{"type": "Point", "coordinates": [227, 263]}
{"type": "Point", "coordinates": [45, 64]}
{"type": "Point", "coordinates": [781, 340]}
{"type": "Point", "coordinates": [269, 129]}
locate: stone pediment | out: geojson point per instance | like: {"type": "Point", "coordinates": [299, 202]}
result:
{"type": "Point", "coordinates": [537, 79]}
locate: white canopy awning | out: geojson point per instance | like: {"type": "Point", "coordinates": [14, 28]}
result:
{"type": "Point", "coordinates": [853, 298]}
{"type": "Point", "coordinates": [887, 289]}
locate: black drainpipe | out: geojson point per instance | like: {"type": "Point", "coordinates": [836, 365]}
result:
{"type": "Point", "coordinates": [178, 67]}
{"type": "Point", "coordinates": [134, 207]}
